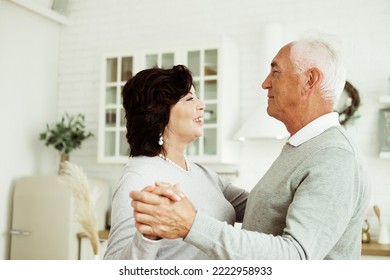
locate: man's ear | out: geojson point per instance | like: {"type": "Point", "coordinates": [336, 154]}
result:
{"type": "Point", "coordinates": [313, 79]}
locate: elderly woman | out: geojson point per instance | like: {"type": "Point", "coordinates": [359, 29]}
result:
{"type": "Point", "coordinates": [163, 116]}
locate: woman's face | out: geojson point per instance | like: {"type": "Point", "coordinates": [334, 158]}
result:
{"type": "Point", "coordinates": [186, 119]}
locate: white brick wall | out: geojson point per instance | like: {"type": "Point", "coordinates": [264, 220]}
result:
{"type": "Point", "coordinates": [101, 26]}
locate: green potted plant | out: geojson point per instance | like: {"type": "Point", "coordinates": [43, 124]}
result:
{"type": "Point", "coordinates": [66, 135]}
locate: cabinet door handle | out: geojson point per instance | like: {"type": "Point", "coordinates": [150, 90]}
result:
{"type": "Point", "coordinates": [19, 232]}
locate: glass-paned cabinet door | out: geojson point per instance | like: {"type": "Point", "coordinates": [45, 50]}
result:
{"type": "Point", "coordinates": [210, 141]}
{"type": "Point", "coordinates": [163, 60]}
{"type": "Point", "coordinates": [112, 127]}
{"type": "Point", "coordinates": [204, 67]}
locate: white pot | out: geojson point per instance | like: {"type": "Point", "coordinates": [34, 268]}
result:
{"type": "Point", "coordinates": [384, 235]}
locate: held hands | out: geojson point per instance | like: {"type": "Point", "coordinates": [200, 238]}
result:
{"type": "Point", "coordinates": [162, 211]}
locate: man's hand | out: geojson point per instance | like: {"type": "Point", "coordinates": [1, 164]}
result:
{"type": "Point", "coordinates": [165, 189]}
{"type": "Point", "coordinates": [161, 210]}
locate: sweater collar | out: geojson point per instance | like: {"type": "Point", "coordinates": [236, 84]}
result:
{"type": "Point", "coordinates": [314, 128]}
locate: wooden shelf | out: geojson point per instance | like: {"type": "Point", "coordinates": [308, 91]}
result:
{"type": "Point", "coordinates": [375, 249]}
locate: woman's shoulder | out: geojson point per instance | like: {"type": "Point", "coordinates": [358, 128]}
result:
{"type": "Point", "coordinates": [139, 170]}
{"type": "Point", "coordinates": [142, 166]}
{"type": "Point", "coordinates": [141, 162]}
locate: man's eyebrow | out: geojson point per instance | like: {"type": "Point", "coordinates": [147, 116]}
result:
{"type": "Point", "coordinates": [274, 64]}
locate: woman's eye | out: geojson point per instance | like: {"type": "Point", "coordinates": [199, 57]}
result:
{"type": "Point", "coordinates": [190, 98]}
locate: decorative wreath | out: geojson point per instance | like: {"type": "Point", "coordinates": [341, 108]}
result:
{"type": "Point", "coordinates": [352, 103]}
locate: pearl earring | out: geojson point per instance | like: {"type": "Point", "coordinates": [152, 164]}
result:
{"type": "Point", "coordinates": [161, 140]}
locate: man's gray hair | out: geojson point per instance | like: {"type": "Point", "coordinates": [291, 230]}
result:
{"type": "Point", "coordinates": [325, 54]}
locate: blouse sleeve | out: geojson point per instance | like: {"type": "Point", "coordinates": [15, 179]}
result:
{"type": "Point", "coordinates": [235, 195]}
{"type": "Point", "coordinates": [238, 198]}
{"type": "Point", "coordinates": [125, 242]}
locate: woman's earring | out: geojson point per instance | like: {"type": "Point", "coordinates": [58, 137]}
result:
{"type": "Point", "coordinates": [161, 140]}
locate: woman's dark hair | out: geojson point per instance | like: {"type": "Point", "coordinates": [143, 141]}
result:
{"type": "Point", "coordinates": [147, 99]}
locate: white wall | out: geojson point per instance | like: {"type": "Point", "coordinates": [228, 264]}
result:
{"type": "Point", "coordinates": [28, 99]}
{"type": "Point", "coordinates": [101, 26]}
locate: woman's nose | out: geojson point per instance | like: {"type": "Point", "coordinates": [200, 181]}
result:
{"type": "Point", "coordinates": [201, 105]}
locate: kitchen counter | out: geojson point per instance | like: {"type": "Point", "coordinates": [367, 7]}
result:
{"type": "Point", "coordinates": [375, 249]}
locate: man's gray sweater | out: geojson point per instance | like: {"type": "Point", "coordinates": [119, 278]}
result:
{"type": "Point", "coordinates": [309, 205]}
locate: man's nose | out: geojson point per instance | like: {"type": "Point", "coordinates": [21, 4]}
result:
{"type": "Point", "coordinates": [266, 83]}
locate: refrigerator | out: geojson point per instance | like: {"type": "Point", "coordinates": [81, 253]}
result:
{"type": "Point", "coordinates": [44, 222]}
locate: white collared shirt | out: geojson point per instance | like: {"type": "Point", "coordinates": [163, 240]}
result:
{"type": "Point", "coordinates": [314, 128]}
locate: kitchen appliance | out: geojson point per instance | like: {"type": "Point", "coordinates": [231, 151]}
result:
{"type": "Point", "coordinates": [44, 222]}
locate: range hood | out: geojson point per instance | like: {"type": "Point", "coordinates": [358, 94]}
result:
{"type": "Point", "coordinates": [259, 125]}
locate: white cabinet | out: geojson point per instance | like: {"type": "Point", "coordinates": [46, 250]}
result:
{"type": "Point", "coordinates": [215, 69]}
{"type": "Point", "coordinates": [117, 70]}
{"type": "Point", "coordinates": [385, 99]}
{"type": "Point", "coordinates": [216, 74]}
